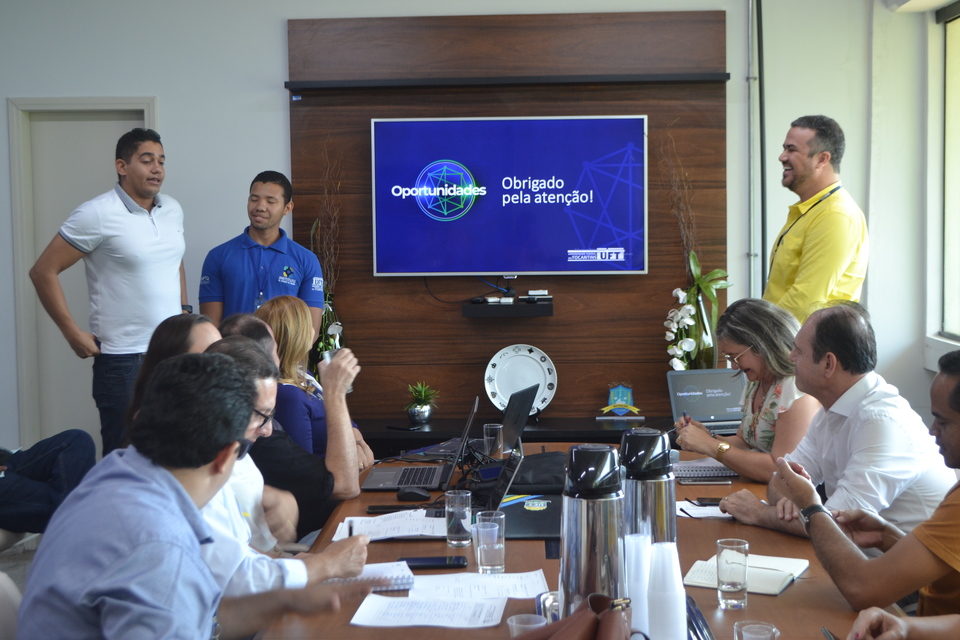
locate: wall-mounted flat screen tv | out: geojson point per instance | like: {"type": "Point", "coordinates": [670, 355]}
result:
{"type": "Point", "coordinates": [510, 196]}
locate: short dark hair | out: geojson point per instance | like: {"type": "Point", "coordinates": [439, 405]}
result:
{"type": "Point", "coordinates": [949, 364]}
{"type": "Point", "coordinates": [828, 137]}
{"type": "Point", "coordinates": [129, 142]}
{"type": "Point", "coordinates": [249, 325]}
{"type": "Point", "coordinates": [170, 338]}
{"type": "Point", "coordinates": [194, 406]}
{"type": "Point", "coordinates": [765, 327]}
{"type": "Point", "coordinates": [249, 355]}
{"type": "Point", "coordinates": [275, 177]}
{"type": "Point", "coordinates": [843, 329]}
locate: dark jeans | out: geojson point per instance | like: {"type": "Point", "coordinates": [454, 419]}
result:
{"type": "Point", "coordinates": [113, 378]}
{"type": "Point", "coordinates": [37, 480]}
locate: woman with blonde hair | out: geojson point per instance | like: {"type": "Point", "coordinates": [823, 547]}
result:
{"type": "Point", "coordinates": [314, 414]}
{"type": "Point", "coordinates": [756, 337]}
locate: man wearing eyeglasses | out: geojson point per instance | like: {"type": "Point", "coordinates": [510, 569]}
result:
{"type": "Point", "coordinates": [121, 557]}
{"type": "Point", "coordinates": [240, 569]}
{"type": "Point", "coordinates": [867, 447]}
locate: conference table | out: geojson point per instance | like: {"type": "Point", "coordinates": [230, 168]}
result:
{"type": "Point", "coordinates": [799, 612]}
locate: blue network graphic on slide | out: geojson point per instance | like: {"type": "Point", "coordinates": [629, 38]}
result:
{"type": "Point", "coordinates": [436, 180]}
{"type": "Point", "coordinates": [617, 179]}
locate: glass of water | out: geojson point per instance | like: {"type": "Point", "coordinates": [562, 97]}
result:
{"type": "Point", "coordinates": [493, 440]}
{"type": "Point", "coordinates": [488, 541]}
{"type": "Point", "coordinates": [732, 556]}
{"type": "Point", "coordinates": [457, 506]}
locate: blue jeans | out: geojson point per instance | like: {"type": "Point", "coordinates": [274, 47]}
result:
{"type": "Point", "coordinates": [113, 378]}
{"type": "Point", "coordinates": [37, 480]}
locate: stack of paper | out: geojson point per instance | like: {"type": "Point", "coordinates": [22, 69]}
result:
{"type": "Point", "coordinates": [412, 523]}
{"type": "Point", "coordinates": [767, 575]}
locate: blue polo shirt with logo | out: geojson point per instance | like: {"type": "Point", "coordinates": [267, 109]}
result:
{"type": "Point", "coordinates": [243, 274]}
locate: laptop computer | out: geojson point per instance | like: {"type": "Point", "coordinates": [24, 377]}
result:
{"type": "Point", "coordinates": [430, 477]}
{"type": "Point", "coordinates": [711, 396]}
{"type": "Point", "coordinates": [527, 517]}
{"type": "Point", "coordinates": [453, 447]}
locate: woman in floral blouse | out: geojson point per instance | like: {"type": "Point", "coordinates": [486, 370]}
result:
{"type": "Point", "coordinates": [756, 337]}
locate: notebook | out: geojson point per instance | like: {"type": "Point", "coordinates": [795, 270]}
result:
{"type": "Point", "coordinates": [430, 477]}
{"type": "Point", "coordinates": [768, 575]}
{"type": "Point", "coordinates": [397, 576]}
{"type": "Point", "coordinates": [701, 468]}
{"type": "Point", "coordinates": [711, 396]}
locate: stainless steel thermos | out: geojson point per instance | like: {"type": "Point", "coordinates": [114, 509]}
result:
{"type": "Point", "coordinates": [649, 485]}
{"type": "Point", "coordinates": [591, 538]}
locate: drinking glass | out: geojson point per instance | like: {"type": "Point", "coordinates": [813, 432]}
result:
{"type": "Point", "coordinates": [458, 518]}
{"type": "Point", "coordinates": [488, 541]}
{"type": "Point", "coordinates": [732, 556]}
{"type": "Point", "coordinates": [524, 622]}
{"type": "Point", "coordinates": [493, 440]}
{"type": "Point", "coordinates": [755, 630]}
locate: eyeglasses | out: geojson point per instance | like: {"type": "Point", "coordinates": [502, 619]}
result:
{"type": "Point", "coordinates": [244, 447]}
{"type": "Point", "coordinates": [729, 358]}
{"type": "Point", "coordinates": [267, 417]}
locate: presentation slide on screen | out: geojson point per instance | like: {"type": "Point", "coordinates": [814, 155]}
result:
{"type": "Point", "coordinates": [510, 196]}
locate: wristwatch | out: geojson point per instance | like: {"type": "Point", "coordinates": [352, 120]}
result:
{"type": "Point", "coordinates": [809, 511]}
{"type": "Point", "coordinates": [722, 449]}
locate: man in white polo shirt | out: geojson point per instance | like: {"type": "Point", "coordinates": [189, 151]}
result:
{"type": "Point", "coordinates": [131, 241]}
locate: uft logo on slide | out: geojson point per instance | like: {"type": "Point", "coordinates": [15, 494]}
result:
{"type": "Point", "coordinates": [445, 190]}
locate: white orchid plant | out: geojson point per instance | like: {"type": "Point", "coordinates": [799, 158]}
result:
{"type": "Point", "coordinates": [688, 341]}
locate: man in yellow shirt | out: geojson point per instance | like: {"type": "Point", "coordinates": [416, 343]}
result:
{"type": "Point", "coordinates": [822, 251]}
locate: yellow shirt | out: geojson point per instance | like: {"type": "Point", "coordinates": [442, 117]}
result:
{"type": "Point", "coordinates": [821, 253]}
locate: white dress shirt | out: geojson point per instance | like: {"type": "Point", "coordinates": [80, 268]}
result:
{"type": "Point", "coordinates": [872, 451]}
{"type": "Point", "coordinates": [238, 568]}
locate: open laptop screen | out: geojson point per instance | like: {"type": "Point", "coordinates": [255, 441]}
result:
{"type": "Point", "coordinates": [707, 395]}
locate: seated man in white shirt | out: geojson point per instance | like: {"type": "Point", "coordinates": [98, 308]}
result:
{"type": "Point", "coordinates": [238, 568]}
{"type": "Point", "coordinates": [866, 445]}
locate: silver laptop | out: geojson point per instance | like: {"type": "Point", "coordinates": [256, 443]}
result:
{"type": "Point", "coordinates": [430, 477]}
{"type": "Point", "coordinates": [711, 396]}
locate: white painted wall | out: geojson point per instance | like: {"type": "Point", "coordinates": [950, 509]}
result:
{"type": "Point", "coordinates": [218, 69]}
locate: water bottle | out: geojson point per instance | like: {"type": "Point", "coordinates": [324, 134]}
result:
{"type": "Point", "coordinates": [591, 537]}
{"type": "Point", "coordinates": [649, 485]}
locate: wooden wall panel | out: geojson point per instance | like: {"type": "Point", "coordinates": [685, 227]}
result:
{"type": "Point", "coordinates": [605, 329]}
{"type": "Point", "coordinates": [456, 48]}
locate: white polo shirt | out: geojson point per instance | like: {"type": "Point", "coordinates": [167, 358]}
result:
{"type": "Point", "coordinates": [132, 260]}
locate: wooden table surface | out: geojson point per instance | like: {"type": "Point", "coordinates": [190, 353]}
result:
{"type": "Point", "coordinates": [808, 604]}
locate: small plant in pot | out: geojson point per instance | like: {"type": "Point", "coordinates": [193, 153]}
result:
{"type": "Point", "coordinates": [422, 402]}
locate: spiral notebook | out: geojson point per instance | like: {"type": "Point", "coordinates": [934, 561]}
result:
{"type": "Point", "coordinates": [397, 573]}
{"type": "Point", "coordinates": [701, 468]}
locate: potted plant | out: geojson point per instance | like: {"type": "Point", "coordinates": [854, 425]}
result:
{"type": "Point", "coordinates": [422, 402]}
{"type": "Point", "coordinates": [691, 328]}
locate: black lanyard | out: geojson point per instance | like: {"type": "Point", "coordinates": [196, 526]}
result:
{"type": "Point", "coordinates": [822, 198]}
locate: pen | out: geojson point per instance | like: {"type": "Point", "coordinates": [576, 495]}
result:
{"type": "Point", "coordinates": [350, 528]}
{"type": "Point", "coordinates": [686, 418]}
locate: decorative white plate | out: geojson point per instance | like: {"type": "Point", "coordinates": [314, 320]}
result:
{"type": "Point", "coordinates": [518, 367]}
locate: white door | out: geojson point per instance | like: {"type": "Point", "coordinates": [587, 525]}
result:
{"type": "Point", "coordinates": [70, 160]}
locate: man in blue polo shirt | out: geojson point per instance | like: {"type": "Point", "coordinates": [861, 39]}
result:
{"type": "Point", "coordinates": [262, 262]}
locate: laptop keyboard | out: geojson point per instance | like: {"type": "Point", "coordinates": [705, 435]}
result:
{"type": "Point", "coordinates": [417, 477]}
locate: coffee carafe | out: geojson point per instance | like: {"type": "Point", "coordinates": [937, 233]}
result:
{"type": "Point", "coordinates": [649, 485]}
{"type": "Point", "coordinates": [591, 538]}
